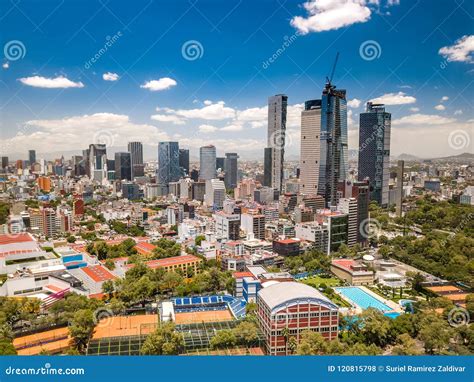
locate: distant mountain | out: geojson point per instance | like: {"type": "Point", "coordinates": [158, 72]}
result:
{"type": "Point", "coordinates": [408, 157]}
{"type": "Point", "coordinates": [461, 157]}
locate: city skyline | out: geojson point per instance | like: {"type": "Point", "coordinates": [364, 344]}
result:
{"type": "Point", "coordinates": [134, 92]}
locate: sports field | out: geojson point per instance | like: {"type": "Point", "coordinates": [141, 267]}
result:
{"type": "Point", "coordinates": [124, 326]}
{"type": "Point", "coordinates": [203, 316]}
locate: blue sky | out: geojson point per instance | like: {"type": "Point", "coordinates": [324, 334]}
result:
{"type": "Point", "coordinates": [54, 98]}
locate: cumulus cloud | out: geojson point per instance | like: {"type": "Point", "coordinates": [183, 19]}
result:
{"type": "Point", "coordinates": [5, 65]}
{"type": "Point", "coordinates": [174, 119]}
{"type": "Point", "coordinates": [325, 15]}
{"type": "Point", "coordinates": [207, 128]}
{"type": "Point", "coordinates": [399, 98]}
{"type": "Point", "coordinates": [60, 82]}
{"type": "Point", "coordinates": [461, 51]}
{"type": "Point", "coordinates": [160, 84]}
{"type": "Point", "coordinates": [444, 99]}
{"type": "Point", "coordinates": [211, 111]}
{"type": "Point", "coordinates": [233, 127]}
{"type": "Point", "coordinates": [109, 76]}
{"type": "Point", "coordinates": [440, 107]}
{"type": "Point", "coordinates": [414, 109]}
{"type": "Point", "coordinates": [64, 134]}
{"type": "Point", "coordinates": [355, 103]}
{"type": "Point", "coordinates": [458, 112]}
{"type": "Point", "coordinates": [423, 119]}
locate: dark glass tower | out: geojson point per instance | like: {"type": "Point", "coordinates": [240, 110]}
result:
{"type": "Point", "coordinates": [333, 164]}
{"type": "Point", "coordinates": [32, 156]}
{"type": "Point", "coordinates": [184, 160]}
{"type": "Point", "coordinates": [136, 155]}
{"type": "Point", "coordinates": [168, 163]}
{"type": "Point", "coordinates": [123, 166]}
{"type": "Point", "coordinates": [230, 168]}
{"type": "Point", "coordinates": [374, 151]}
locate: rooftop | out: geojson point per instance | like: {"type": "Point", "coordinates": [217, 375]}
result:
{"type": "Point", "coordinates": [98, 273]}
{"type": "Point", "coordinates": [15, 238]}
{"type": "Point", "coordinates": [279, 293]}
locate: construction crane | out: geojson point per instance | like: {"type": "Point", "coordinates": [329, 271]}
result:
{"type": "Point", "coordinates": [329, 79]}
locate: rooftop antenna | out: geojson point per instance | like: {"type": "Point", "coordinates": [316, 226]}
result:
{"type": "Point", "coordinates": [329, 79]}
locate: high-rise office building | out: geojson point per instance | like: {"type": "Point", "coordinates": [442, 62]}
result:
{"type": "Point", "coordinates": [4, 162]}
{"type": "Point", "coordinates": [184, 161]}
{"type": "Point", "coordinates": [276, 135]}
{"type": "Point", "coordinates": [399, 192]}
{"type": "Point", "coordinates": [32, 156]}
{"type": "Point", "coordinates": [123, 166]}
{"type": "Point", "coordinates": [215, 193]}
{"type": "Point", "coordinates": [168, 163]}
{"type": "Point", "coordinates": [97, 161]}
{"type": "Point", "coordinates": [310, 147]}
{"type": "Point", "coordinates": [374, 151]}
{"type": "Point", "coordinates": [220, 163]}
{"type": "Point", "coordinates": [359, 191]}
{"type": "Point", "coordinates": [349, 207]}
{"type": "Point", "coordinates": [333, 160]}
{"type": "Point", "coordinates": [136, 155]}
{"type": "Point", "coordinates": [207, 162]}
{"type": "Point", "coordinates": [230, 168]}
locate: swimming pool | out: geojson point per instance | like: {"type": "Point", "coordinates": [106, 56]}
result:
{"type": "Point", "coordinates": [362, 299]}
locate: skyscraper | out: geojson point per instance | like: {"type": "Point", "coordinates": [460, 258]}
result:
{"type": "Point", "coordinates": [168, 163]}
{"type": "Point", "coordinates": [333, 161]}
{"type": "Point", "coordinates": [374, 151]}
{"type": "Point", "coordinates": [399, 192]}
{"type": "Point", "coordinates": [220, 163]}
{"type": "Point", "coordinates": [276, 134]}
{"type": "Point", "coordinates": [184, 160]}
{"type": "Point", "coordinates": [207, 162]}
{"type": "Point", "coordinates": [123, 166]}
{"type": "Point", "coordinates": [310, 147]}
{"type": "Point", "coordinates": [136, 155]}
{"type": "Point", "coordinates": [97, 161]}
{"type": "Point", "coordinates": [4, 162]}
{"type": "Point", "coordinates": [32, 156]}
{"type": "Point", "coordinates": [230, 168]}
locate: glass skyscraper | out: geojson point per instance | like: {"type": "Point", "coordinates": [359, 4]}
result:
{"type": "Point", "coordinates": [276, 136]}
{"type": "Point", "coordinates": [123, 166]}
{"type": "Point", "coordinates": [334, 157]}
{"type": "Point", "coordinates": [374, 151]}
{"type": "Point", "coordinates": [207, 162]}
{"type": "Point", "coordinates": [230, 168]}
{"type": "Point", "coordinates": [168, 163]}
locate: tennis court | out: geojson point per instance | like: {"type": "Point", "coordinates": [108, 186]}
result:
{"type": "Point", "coordinates": [203, 316]}
{"type": "Point", "coordinates": [123, 326]}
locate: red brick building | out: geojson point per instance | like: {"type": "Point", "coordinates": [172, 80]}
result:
{"type": "Point", "coordinates": [296, 307]}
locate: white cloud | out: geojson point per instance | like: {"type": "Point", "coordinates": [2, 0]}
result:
{"type": "Point", "coordinates": [440, 107]}
{"type": "Point", "coordinates": [213, 111]}
{"type": "Point", "coordinates": [6, 65]}
{"type": "Point", "coordinates": [324, 15]}
{"type": "Point", "coordinates": [160, 84]}
{"type": "Point", "coordinates": [257, 124]}
{"type": "Point", "coordinates": [355, 103]}
{"type": "Point", "coordinates": [207, 102]}
{"type": "Point", "coordinates": [415, 109]}
{"type": "Point", "coordinates": [253, 114]}
{"type": "Point", "coordinates": [77, 132]}
{"type": "Point", "coordinates": [175, 120]}
{"type": "Point", "coordinates": [109, 76]}
{"type": "Point", "coordinates": [461, 51]}
{"type": "Point", "coordinates": [458, 112]}
{"type": "Point", "coordinates": [444, 99]}
{"type": "Point", "coordinates": [233, 127]}
{"type": "Point", "coordinates": [207, 128]}
{"type": "Point", "coordinates": [399, 98]}
{"type": "Point", "coordinates": [423, 119]}
{"type": "Point", "coordinates": [60, 82]}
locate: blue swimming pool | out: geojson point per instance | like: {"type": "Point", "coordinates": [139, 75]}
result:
{"type": "Point", "coordinates": [362, 299]}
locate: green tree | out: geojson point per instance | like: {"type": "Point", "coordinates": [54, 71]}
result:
{"type": "Point", "coordinates": [312, 343]}
{"type": "Point", "coordinates": [223, 338]}
{"type": "Point", "coordinates": [405, 346]}
{"type": "Point", "coordinates": [164, 341]}
{"type": "Point", "coordinates": [247, 333]}
{"type": "Point", "coordinates": [435, 334]}
{"type": "Point", "coordinates": [82, 329]}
